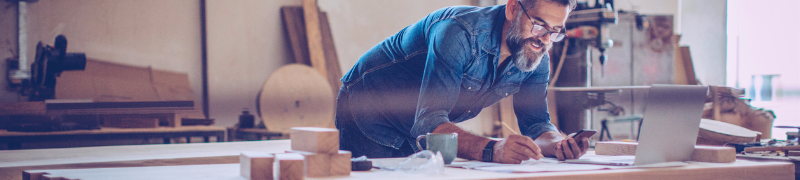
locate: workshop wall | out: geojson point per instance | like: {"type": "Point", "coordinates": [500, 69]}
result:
{"type": "Point", "coordinates": [246, 42]}
{"type": "Point", "coordinates": [160, 34]}
{"type": "Point", "coordinates": [703, 29]}
{"type": "Point", "coordinates": [8, 46]}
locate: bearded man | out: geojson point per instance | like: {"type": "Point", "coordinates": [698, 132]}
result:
{"type": "Point", "coordinates": [445, 69]}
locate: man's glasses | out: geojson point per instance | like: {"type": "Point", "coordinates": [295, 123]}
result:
{"type": "Point", "coordinates": [539, 31]}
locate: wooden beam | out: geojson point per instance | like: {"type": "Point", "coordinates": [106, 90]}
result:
{"type": "Point", "coordinates": [294, 24]}
{"type": "Point", "coordinates": [315, 50]}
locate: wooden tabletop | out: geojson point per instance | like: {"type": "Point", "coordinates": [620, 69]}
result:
{"type": "Point", "coordinates": [65, 161]}
{"type": "Point", "coordinates": [695, 170]}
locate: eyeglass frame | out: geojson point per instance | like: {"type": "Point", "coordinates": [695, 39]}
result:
{"type": "Point", "coordinates": [555, 36]}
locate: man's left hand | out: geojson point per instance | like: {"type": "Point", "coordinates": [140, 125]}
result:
{"type": "Point", "coordinates": [570, 148]}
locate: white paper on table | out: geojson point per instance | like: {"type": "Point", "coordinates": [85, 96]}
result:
{"type": "Point", "coordinates": [542, 165]}
{"type": "Point", "coordinates": [623, 160]}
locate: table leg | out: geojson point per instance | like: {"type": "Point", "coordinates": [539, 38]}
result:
{"type": "Point", "coordinates": [188, 139]}
{"type": "Point", "coordinates": [167, 140]}
{"type": "Point", "coordinates": [206, 139]}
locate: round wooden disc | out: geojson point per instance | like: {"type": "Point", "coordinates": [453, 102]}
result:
{"type": "Point", "coordinates": [722, 132]}
{"type": "Point", "coordinates": [296, 96]}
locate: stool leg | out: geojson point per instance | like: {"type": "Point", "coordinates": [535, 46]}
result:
{"type": "Point", "coordinates": [605, 130]}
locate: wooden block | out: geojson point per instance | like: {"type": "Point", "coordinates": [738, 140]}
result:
{"type": "Point", "coordinates": [256, 165]}
{"type": "Point", "coordinates": [714, 154]}
{"type": "Point", "coordinates": [315, 140]}
{"type": "Point", "coordinates": [340, 163]}
{"type": "Point", "coordinates": [315, 164]}
{"type": "Point", "coordinates": [288, 166]}
{"type": "Point", "coordinates": [615, 148]}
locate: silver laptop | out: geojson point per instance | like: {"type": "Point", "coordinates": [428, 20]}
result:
{"type": "Point", "coordinates": [670, 126]}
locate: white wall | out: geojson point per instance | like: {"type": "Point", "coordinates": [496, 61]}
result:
{"type": "Point", "coordinates": [703, 29]}
{"type": "Point", "coordinates": [245, 45]}
{"type": "Point", "coordinates": [246, 42]}
{"type": "Point", "coordinates": [161, 34]}
{"type": "Point", "coordinates": [358, 25]}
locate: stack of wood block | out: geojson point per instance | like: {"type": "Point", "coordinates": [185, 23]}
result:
{"type": "Point", "coordinates": [315, 153]}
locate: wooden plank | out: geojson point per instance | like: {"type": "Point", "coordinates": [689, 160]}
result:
{"type": "Point", "coordinates": [331, 58]}
{"type": "Point", "coordinates": [688, 66]}
{"type": "Point", "coordinates": [293, 18]}
{"type": "Point", "coordinates": [714, 154]}
{"type": "Point", "coordinates": [120, 105]}
{"type": "Point", "coordinates": [23, 108]}
{"type": "Point", "coordinates": [294, 24]}
{"type": "Point", "coordinates": [315, 47]}
{"type": "Point", "coordinates": [694, 170]}
{"type": "Point", "coordinates": [315, 140]}
{"type": "Point", "coordinates": [112, 133]}
{"type": "Point", "coordinates": [680, 70]}
{"type": "Point", "coordinates": [782, 148]}
{"type": "Point", "coordinates": [84, 155]}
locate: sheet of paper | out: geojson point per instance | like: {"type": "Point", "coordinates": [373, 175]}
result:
{"type": "Point", "coordinates": [542, 165]}
{"type": "Point", "coordinates": [604, 160]}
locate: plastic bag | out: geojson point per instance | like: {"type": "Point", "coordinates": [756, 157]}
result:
{"type": "Point", "coordinates": [423, 162]}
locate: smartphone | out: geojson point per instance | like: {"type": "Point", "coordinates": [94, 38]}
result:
{"type": "Point", "coordinates": [586, 133]}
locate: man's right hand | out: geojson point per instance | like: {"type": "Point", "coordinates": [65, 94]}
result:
{"type": "Point", "coordinates": [515, 149]}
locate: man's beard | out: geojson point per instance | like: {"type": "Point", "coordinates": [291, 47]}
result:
{"type": "Point", "coordinates": [524, 58]}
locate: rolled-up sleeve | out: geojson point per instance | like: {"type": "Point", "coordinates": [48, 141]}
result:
{"type": "Point", "coordinates": [448, 49]}
{"type": "Point", "coordinates": [530, 104]}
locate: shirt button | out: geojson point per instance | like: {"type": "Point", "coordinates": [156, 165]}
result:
{"type": "Point", "coordinates": [469, 111]}
{"type": "Point", "coordinates": [469, 87]}
{"type": "Point", "coordinates": [509, 73]}
{"type": "Point", "coordinates": [506, 94]}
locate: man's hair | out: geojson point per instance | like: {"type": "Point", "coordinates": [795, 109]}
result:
{"type": "Point", "coordinates": [531, 4]}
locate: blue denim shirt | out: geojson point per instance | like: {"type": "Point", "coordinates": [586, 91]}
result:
{"type": "Point", "coordinates": [443, 68]}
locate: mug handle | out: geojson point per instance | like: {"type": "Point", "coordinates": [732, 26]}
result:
{"type": "Point", "coordinates": [418, 145]}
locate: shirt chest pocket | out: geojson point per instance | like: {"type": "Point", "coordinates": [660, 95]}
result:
{"type": "Point", "coordinates": [507, 90]}
{"type": "Point", "coordinates": [471, 84]}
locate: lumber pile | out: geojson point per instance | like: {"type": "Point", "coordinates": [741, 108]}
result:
{"type": "Point", "coordinates": [315, 153]}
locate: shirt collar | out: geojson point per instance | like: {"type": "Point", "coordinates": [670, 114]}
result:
{"type": "Point", "coordinates": [492, 46]}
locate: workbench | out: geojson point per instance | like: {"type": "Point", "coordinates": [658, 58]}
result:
{"type": "Point", "coordinates": [220, 161]}
{"type": "Point", "coordinates": [16, 139]}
